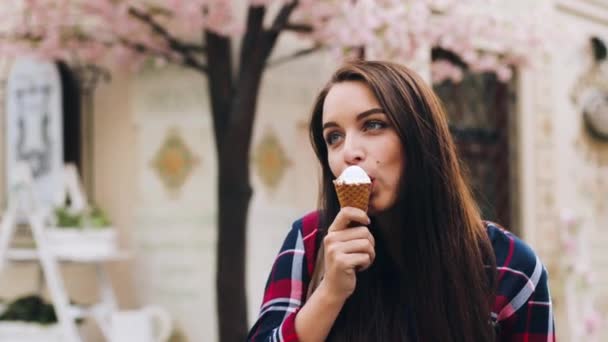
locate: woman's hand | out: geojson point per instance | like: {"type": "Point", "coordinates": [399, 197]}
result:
{"type": "Point", "coordinates": [349, 247]}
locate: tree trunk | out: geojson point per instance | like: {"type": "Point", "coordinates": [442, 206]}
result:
{"type": "Point", "coordinates": [234, 107]}
{"type": "Point", "coordinates": [234, 196]}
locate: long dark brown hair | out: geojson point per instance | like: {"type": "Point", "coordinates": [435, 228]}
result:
{"type": "Point", "coordinates": [434, 274]}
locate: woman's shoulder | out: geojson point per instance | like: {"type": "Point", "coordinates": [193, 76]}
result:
{"type": "Point", "coordinates": [519, 269]}
{"type": "Point", "coordinates": [522, 280]}
{"type": "Point", "coordinates": [510, 250]}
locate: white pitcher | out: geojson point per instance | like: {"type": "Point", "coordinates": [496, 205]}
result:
{"type": "Point", "coordinates": [149, 324]}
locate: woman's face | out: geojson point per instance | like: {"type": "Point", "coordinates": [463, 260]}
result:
{"type": "Point", "coordinates": [357, 132]}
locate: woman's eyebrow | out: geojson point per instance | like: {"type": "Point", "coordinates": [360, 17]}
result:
{"type": "Point", "coordinates": [360, 116]}
{"type": "Point", "coordinates": [369, 112]}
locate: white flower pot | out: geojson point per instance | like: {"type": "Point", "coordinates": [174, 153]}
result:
{"type": "Point", "coordinates": [29, 332]}
{"type": "Point", "coordinates": [82, 242]}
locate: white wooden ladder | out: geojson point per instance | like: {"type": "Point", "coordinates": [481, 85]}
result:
{"type": "Point", "coordinates": [22, 210]}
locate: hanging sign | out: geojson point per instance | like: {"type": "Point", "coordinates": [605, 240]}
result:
{"type": "Point", "coordinates": [34, 126]}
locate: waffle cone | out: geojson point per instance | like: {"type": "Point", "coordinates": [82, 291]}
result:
{"type": "Point", "coordinates": [353, 195]}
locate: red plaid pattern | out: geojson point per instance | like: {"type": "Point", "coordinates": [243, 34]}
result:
{"type": "Point", "coordinates": [522, 310]}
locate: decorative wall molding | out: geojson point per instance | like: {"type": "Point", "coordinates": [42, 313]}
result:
{"type": "Point", "coordinates": [270, 160]}
{"type": "Point", "coordinates": [4, 70]}
{"type": "Point", "coordinates": [545, 175]}
{"type": "Point", "coordinates": [174, 161]}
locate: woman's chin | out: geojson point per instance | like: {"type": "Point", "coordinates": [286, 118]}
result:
{"type": "Point", "coordinates": [377, 207]}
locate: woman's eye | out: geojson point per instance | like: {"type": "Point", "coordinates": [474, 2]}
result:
{"type": "Point", "coordinates": [332, 137]}
{"type": "Point", "coordinates": [374, 125]}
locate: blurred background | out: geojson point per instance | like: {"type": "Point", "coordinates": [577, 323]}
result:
{"type": "Point", "coordinates": [184, 128]}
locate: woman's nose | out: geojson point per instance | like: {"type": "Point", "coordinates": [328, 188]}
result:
{"type": "Point", "coordinates": [354, 152]}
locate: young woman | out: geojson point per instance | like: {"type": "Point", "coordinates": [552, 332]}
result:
{"type": "Point", "coordinates": [420, 265]}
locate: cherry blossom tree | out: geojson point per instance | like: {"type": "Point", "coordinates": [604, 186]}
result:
{"type": "Point", "coordinates": [233, 48]}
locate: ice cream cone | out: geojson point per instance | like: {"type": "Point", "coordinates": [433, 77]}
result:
{"type": "Point", "coordinates": [353, 195]}
{"type": "Point", "coordinates": [353, 187]}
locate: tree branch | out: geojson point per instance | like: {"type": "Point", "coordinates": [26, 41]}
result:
{"type": "Point", "coordinates": [174, 44]}
{"type": "Point", "coordinates": [281, 20]}
{"type": "Point", "coordinates": [196, 65]}
{"type": "Point", "coordinates": [146, 50]}
{"type": "Point", "coordinates": [195, 48]}
{"type": "Point", "coordinates": [295, 55]}
{"type": "Point", "coordinates": [299, 28]}
{"type": "Point", "coordinates": [251, 41]}
{"type": "Point", "coordinates": [156, 27]}
{"type": "Point", "coordinates": [259, 43]}
{"type": "Point", "coordinates": [221, 83]}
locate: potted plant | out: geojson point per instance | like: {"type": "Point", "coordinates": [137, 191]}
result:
{"type": "Point", "coordinates": [29, 319]}
{"type": "Point", "coordinates": [86, 233]}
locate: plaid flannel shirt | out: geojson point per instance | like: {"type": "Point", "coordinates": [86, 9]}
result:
{"type": "Point", "coordinates": [522, 309]}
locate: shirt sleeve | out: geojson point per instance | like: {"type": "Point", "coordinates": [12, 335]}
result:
{"type": "Point", "coordinates": [523, 308]}
{"type": "Point", "coordinates": [283, 296]}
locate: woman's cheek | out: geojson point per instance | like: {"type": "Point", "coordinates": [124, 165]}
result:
{"type": "Point", "coordinates": [333, 166]}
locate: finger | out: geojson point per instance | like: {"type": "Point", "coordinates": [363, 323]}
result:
{"type": "Point", "coordinates": [347, 215]}
{"type": "Point", "coordinates": [358, 261]}
{"type": "Point", "coordinates": [354, 247]}
{"type": "Point", "coordinates": [352, 234]}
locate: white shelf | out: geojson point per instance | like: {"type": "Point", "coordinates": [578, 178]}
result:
{"type": "Point", "coordinates": [30, 332]}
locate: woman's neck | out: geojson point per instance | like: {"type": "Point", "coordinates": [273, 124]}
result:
{"type": "Point", "coordinates": [387, 222]}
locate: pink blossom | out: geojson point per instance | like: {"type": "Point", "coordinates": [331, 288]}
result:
{"type": "Point", "coordinates": [260, 2]}
{"type": "Point", "coordinates": [504, 73]}
{"type": "Point", "coordinates": [569, 245]}
{"type": "Point", "coordinates": [568, 218]}
{"type": "Point", "coordinates": [593, 321]}
{"type": "Point", "coordinates": [386, 29]}
{"type": "Point", "coordinates": [442, 70]}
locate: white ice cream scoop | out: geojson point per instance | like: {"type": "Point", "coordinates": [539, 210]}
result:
{"type": "Point", "coordinates": [353, 175]}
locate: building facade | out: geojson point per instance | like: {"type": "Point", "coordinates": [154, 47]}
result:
{"type": "Point", "coordinates": [154, 172]}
